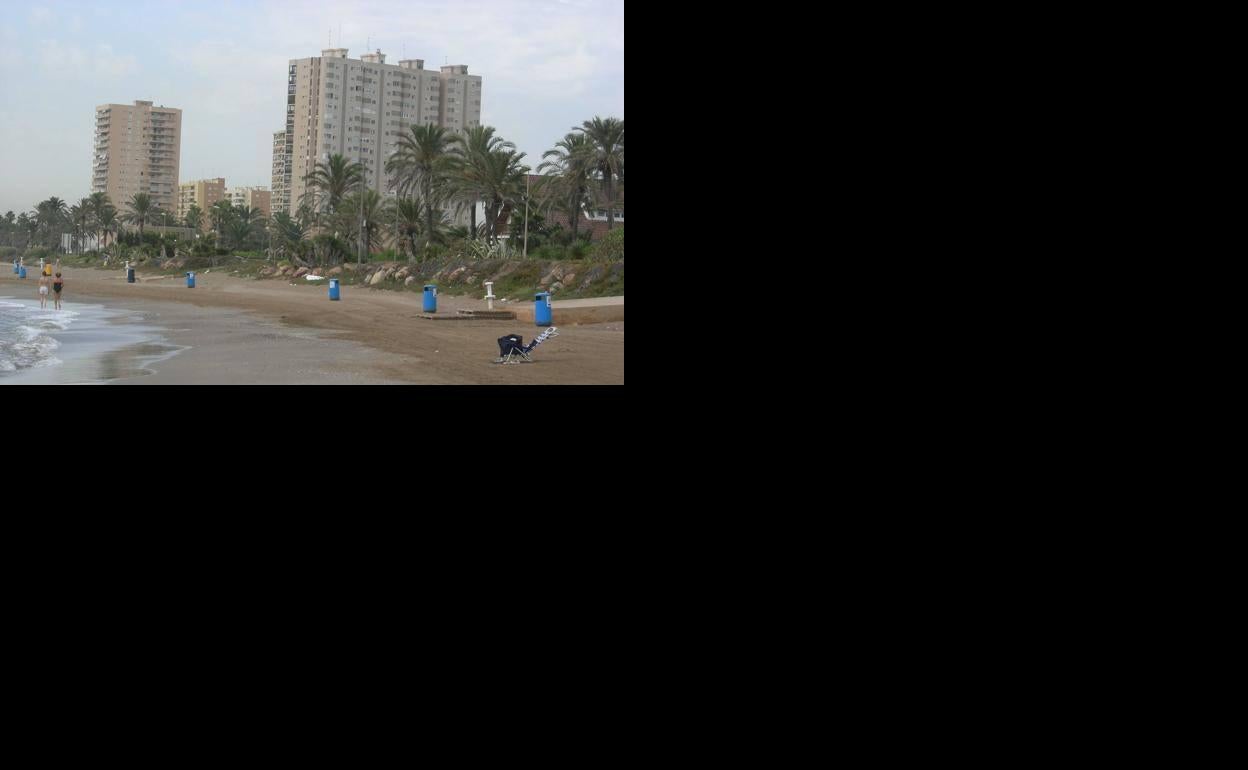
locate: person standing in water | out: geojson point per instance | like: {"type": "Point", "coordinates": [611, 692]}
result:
{"type": "Point", "coordinates": [57, 285]}
{"type": "Point", "coordinates": [43, 291]}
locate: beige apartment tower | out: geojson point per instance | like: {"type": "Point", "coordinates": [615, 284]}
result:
{"type": "Point", "coordinates": [281, 168]}
{"type": "Point", "coordinates": [202, 193]}
{"type": "Point", "coordinates": [252, 198]}
{"type": "Point", "coordinates": [359, 109]}
{"type": "Point", "coordinates": [137, 150]}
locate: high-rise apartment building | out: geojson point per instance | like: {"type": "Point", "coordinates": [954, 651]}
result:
{"type": "Point", "coordinates": [281, 168]}
{"type": "Point", "coordinates": [359, 109]}
{"type": "Point", "coordinates": [137, 150]}
{"type": "Point", "coordinates": [251, 198]}
{"type": "Point", "coordinates": [202, 193]}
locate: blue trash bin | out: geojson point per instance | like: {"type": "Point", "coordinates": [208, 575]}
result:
{"type": "Point", "coordinates": [21, 272]}
{"type": "Point", "coordinates": [130, 275]}
{"type": "Point", "coordinates": [431, 298]}
{"type": "Point", "coordinates": [333, 290]}
{"type": "Point", "coordinates": [541, 308]}
{"type": "Point", "coordinates": [190, 280]}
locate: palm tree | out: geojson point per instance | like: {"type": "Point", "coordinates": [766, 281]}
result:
{"type": "Point", "coordinates": [571, 179]}
{"type": "Point", "coordinates": [426, 159]}
{"type": "Point", "coordinates": [99, 204]}
{"type": "Point", "coordinates": [239, 229]}
{"type": "Point", "coordinates": [80, 218]}
{"type": "Point", "coordinates": [141, 210]}
{"type": "Point", "coordinates": [220, 214]}
{"type": "Point", "coordinates": [25, 226]}
{"type": "Point", "coordinates": [288, 231]}
{"type": "Point", "coordinates": [606, 156]}
{"type": "Point", "coordinates": [499, 178]}
{"type": "Point", "coordinates": [372, 212]}
{"type": "Point", "coordinates": [107, 221]}
{"type": "Point", "coordinates": [333, 181]}
{"type": "Point", "coordinates": [194, 218]}
{"type": "Point", "coordinates": [49, 215]}
{"type": "Point", "coordinates": [477, 143]}
{"type": "Point", "coordinates": [408, 217]}
{"type": "Point", "coordinates": [410, 221]}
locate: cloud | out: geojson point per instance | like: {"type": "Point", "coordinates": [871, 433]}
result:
{"type": "Point", "coordinates": [66, 60]}
{"type": "Point", "coordinates": [547, 65]}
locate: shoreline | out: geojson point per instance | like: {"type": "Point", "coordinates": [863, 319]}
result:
{"type": "Point", "coordinates": [237, 331]}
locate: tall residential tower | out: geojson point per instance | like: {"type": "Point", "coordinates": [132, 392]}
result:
{"type": "Point", "coordinates": [137, 150]}
{"type": "Point", "coordinates": [359, 109]}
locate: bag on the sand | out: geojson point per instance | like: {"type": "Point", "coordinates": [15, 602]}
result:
{"type": "Point", "coordinates": [506, 344]}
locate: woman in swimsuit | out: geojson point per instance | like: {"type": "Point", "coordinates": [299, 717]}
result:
{"type": "Point", "coordinates": [43, 292]}
{"type": "Point", "coordinates": [56, 289]}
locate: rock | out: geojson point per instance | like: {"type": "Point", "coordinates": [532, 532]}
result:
{"type": "Point", "coordinates": [316, 271]}
{"type": "Point", "coordinates": [266, 272]}
{"type": "Point", "coordinates": [411, 279]}
{"type": "Point", "coordinates": [595, 273]}
{"type": "Point", "coordinates": [401, 274]}
{"type": "Point", "coordinates": [336, 271]}
{"type": "Point", "coordinates": [301, 272]}
{"type": "Point", "coordinates": [556, 286]}
{"type": "Point", "coordinates": [378, 277]}
{"type": "Point", "coordinates": [507, 270]}
{"type": "Point", "coordinates": [569, 278]}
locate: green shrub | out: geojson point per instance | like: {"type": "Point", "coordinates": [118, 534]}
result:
{"type": "Point", "coordinates": [610, 248]}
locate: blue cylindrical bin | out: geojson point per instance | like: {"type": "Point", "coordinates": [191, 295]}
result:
{"type": "Point", "coordinates": [541, 308]}
{"type": "Point", "coordinates": [431, 298]}
{"type": "Point", "coordinates": [190, 280]}
{"type": "Point", "coordinates": [129, 275]}
{"type": "Point", "coordinates": [21, 272]}
{"type": "Point", "coordinates": [333, 289]}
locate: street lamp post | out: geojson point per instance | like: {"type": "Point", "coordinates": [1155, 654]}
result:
{"type": "Point", "coordinates": [526, 214]}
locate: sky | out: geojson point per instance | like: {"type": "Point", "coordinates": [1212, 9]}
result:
{"type": "Point", "coordinates": [546, 66]}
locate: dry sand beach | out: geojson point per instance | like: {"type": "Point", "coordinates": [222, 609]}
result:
{"type": "Point", "coordinates": [236, 331]}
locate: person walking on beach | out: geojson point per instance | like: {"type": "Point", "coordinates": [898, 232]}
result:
{"type": "Point", "coordinates": [57, 285]}
{"type": "Point", "coordinates": [43, 292]}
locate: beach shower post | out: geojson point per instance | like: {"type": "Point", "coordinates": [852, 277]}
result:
{"type": "Point", "coordinates": [489, 294]}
